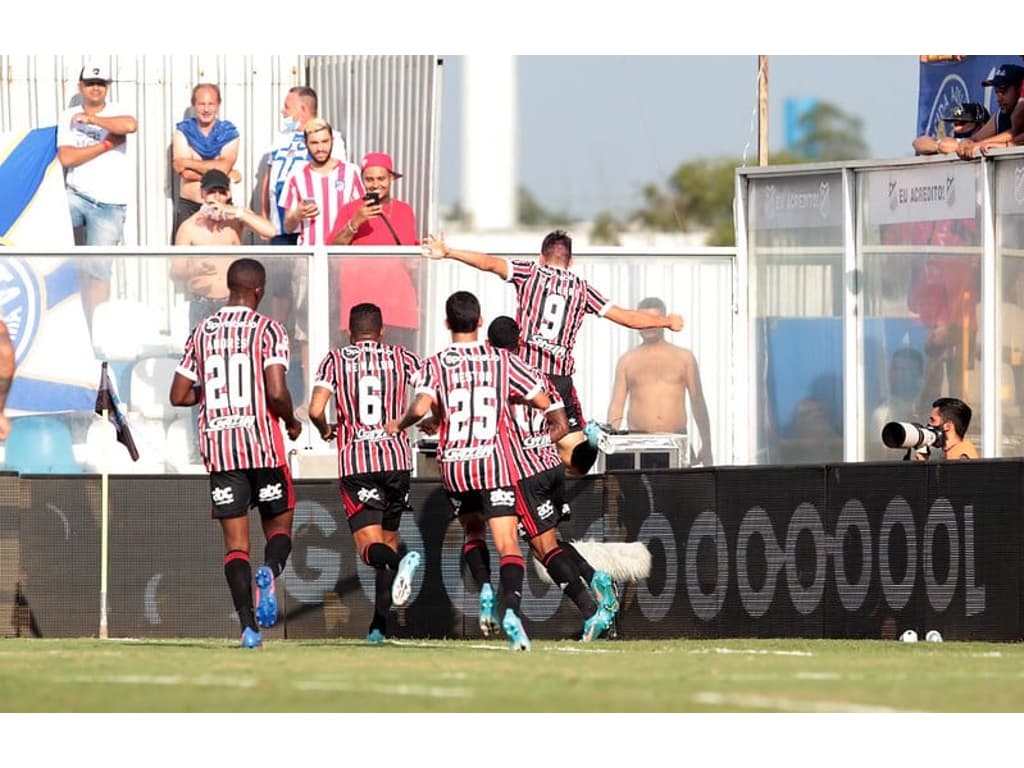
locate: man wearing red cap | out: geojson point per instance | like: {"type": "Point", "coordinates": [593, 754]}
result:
{"type": "Point", "coordinates": [388, 283]}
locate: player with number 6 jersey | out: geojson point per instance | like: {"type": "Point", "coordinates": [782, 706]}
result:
{"type": "Point", "coordinates": [233, 368]}
{"type": "Point", "coordinates": [370, 383]}
{"type": "Point", "coordinates": [551, 305]}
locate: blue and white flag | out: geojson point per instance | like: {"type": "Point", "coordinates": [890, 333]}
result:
{"type": "Point", "coordinates": [39, 295]}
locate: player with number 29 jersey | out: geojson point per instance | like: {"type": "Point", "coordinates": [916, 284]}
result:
{"type": "Point", "coordinates": [226, 355]}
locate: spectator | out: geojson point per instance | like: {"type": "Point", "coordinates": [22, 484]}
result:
{"type": "Point", "coordinates": [313, 197]}
{"type": "Point", "coordinates": [201, 143]}
{"type": "Point", "coordinates": [91, 145]}
{"type": "Point", "coordinates": [1007, 123]}
{"type": "Point", "coordinates": [387, 283]}
{"type": "Point", "coordinates": [6, 377]}
{"type": "Point", "coordinates": [656, 377]}
{"type": "Point", "coordinates": [967, 119]}
{"type": "Point", "coordinates": [217, 222]}
{"type": "Point", "coordinates": [906, 375]}
{"type": "Point", "coordinates": [288, 152]}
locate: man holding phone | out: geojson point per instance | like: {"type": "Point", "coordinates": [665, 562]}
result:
{"type": "Point", "coordinates": [378, 219]}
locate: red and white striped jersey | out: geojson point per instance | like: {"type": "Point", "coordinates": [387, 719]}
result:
{"type": "Point", "coordinates": [472, 384]}
{"type": "Point", "coordinates": [551, 305]}
{"type": "Point", "coordinates": [531, 429]}
{"type": "Point", "coordinates": [227, 355]}
{"type": "Point", "coordinates": [370, 382]}
{"type": "Point", "coordinates": [331, 192]}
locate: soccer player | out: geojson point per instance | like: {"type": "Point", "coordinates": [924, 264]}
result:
{"type": "Point", "coordinates": [541, 500]}
{"type": "Point", "coordinates": [234, 367]}
{"type": "Point", "coordinates": [369, 381]}
{"type": "Point", "coordinates": [469, 385]}
{"type": "Point", "coordinates": [551, 304]}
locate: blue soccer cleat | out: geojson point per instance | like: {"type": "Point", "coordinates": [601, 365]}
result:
{"type": "Point", "coordinates": [517, 639]}
{"type": "Point", "coordinates": [595, 625]}
{"type": "Point", "coordinates": [266, 597]}
{"type": "Point", "coordinates": [488, 620]}
{"type": "Point", "coordinates": [401, 590]}
{"type": "Point", "coordinates": [604, 592]}
{"type": "Point", "coordinates": [251, 638]}
{"type": "Point", "coordinates": [596, 436]}
{"type": "Point", "coordinates": [376, 637]}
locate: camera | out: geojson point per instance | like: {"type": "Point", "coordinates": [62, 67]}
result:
{"type": "Point", "coordinates": [908, 434]}
{"type": "Point", "coordinates": [372, 198]}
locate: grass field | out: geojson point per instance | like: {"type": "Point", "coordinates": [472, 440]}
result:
{"type": "Point", "coordinates": [90, 675]}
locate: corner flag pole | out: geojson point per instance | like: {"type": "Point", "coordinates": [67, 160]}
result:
{"type": "Point", "coordinates": [104, 533]}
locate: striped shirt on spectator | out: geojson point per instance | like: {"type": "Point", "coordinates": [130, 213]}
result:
{"type": "Point", "coordinates": [370, 382]}
{"type": "Point", "coordinates": [331, 191]}
{"type": "Point", "coordinates": [287, 153]}
{"type": "Point", "coordinates": [472, 383]}
{"type": "Point", "coordinates": [226, 355]}
{"type": "Point", "coordinates": [551, 305]}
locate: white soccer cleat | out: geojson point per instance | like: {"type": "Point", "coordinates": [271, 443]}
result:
{"type": "Point", "coordinates": [401, 590]}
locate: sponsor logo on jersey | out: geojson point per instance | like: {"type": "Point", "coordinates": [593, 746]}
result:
{"type": "Point", "coordinates": [467, 454]}
{"type": "Point", "coordinates": [366, 494]}
{"type": "Point", "coordinates": [218, 423]}
{"type": "Point", "coordinates": [222, 496]}
{"type": "Point", "coordinates": [502, 498]}
{"type": "Point", "coordinates": [350, 353]}
{"type": "Point", "coordinates": [541, 343]}
{"type": "Point", "coordinates": [371, 434]}
{"type": "Point", "coordinates": [536, 441]}
{"type": "Point", "coordinates": [271, 492]}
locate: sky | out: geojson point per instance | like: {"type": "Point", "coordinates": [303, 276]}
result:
{"type": "Point", "coordinates": [593, 130]}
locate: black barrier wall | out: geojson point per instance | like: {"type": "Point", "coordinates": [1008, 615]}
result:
{"type": "Point", "coordinates": [846, 550]}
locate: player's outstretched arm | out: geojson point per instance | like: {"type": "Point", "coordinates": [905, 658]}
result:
{"type": "Point", "coordinates": [437, 248]}
{"type": "Point", "coordinates": [638, 320]}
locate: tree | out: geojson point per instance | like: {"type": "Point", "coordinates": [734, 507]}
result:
{"type": "Point", "coordinates": [700, 193]}
{"type": "Point", "coordinates": [532, 214]}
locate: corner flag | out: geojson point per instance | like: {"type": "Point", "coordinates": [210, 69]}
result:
{"type": "Point", "coordinates": [106, 398]}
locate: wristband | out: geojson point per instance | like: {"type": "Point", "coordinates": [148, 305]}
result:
{"type": "Point", "coordinates": [107, 145]}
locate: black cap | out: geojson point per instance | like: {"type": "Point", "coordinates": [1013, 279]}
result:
{"type": "Point", "coordinates": [968, 112]}
{"type": "Point", "coordinates": [1005, 74]}
{"type": "Point", "coordinates": [215, 179]}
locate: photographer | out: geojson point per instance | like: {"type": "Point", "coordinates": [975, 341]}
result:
{"type": "Point", "coordinates": [953, 417]}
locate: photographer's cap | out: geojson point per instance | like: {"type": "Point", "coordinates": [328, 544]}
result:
{"type": "Point", "coordinates": [94, 70]}
{"type": "Point", "coordinates": [215, 179]}
{"type": "Point", "coordinates": [379, 160]}
{"type": "Point", "coordinates": [1006, 74]}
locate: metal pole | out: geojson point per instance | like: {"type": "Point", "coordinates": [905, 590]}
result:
{"type": "Point", "coordinates": [762, 110]}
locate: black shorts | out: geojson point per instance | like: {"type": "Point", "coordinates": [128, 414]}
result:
{"type": "Point", "coordinates": [493, 502]}
{"type": "Point", "coordinates": [573, 411]}
{"type": "Point", "coordinates": [375, 498]}
{"type": "Point", "coordinates": [540, 501]}
{"type": "Point", "coordinates": [236, 491]}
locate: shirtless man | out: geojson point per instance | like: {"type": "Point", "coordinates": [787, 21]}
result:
{"type": "Point", "coordinates": [217, 222]}
{"type": "Point", "coordinates": [656, 376]}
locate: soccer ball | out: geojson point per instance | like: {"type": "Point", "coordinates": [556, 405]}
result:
{"type": "Point", "coordinates": [910, 636]}
{"type": "Point", "coordinates": [933, 636]}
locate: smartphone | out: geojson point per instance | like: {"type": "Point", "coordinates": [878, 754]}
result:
{"type": "Point", "coordinates": [372, 198]}
{"type": "Point", "coordinates": [309, 201]}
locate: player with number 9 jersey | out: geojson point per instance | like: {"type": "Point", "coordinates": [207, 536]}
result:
{"type": "Point", "coordinates": [226, 356]}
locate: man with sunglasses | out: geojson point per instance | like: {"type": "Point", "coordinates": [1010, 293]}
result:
{"type": "Point", "coordinates": [967, 119]}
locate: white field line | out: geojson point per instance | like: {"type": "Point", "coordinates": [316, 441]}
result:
{"type": "Point", "coordinates": [751, 651]}
{"type": "Point", "coordinates": [436, 692]}
{"type": "Point", "coordinates": [755, 701]}
{"type": "Point", "coordinates": [503, 647]}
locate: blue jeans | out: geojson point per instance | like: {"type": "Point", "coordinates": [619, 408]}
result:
{"type": "Point", "coordinates": [104, 225]}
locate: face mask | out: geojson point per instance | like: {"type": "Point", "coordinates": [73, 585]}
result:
{"type": "Point", "coordinates": [289, 125]}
